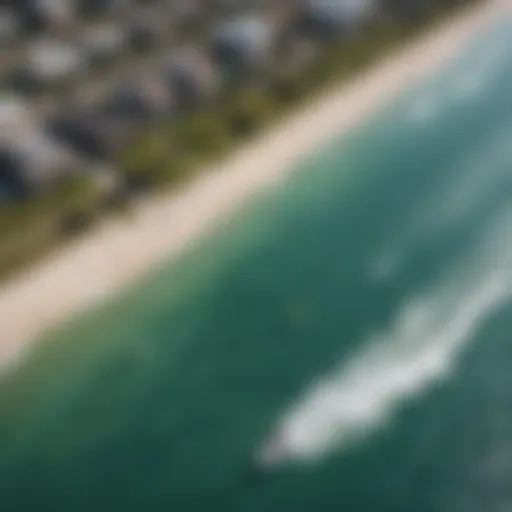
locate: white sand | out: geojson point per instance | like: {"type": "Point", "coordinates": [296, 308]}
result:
{"type": "Point", "coordinates": [115, 254]}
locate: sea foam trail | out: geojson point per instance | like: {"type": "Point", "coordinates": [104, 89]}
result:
{"type": "Point", "coordinates": [419, 349]}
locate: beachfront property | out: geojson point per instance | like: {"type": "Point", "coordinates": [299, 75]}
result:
{"type": "Point", "coordinates": [243, 43]}
{"type": "Point", "coordinates": [61, 44]}
{"type": "Point", "coordinates": [191, 76]}
{"type": "Point", "coordinates": [87, 131]}
{"type": "Point", "coordinates": [32, 163]}
{"type": "Point", "coordinates": [97, 77]}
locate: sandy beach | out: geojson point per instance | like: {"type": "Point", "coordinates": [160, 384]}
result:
{"type": "Point", "coordinates": [119, 251]}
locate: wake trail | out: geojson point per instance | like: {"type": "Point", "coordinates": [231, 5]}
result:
{"type": "Point", "coordinates": [419, 349]}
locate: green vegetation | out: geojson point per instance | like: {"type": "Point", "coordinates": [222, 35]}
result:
{"type": "Point", "coordinates": [167, 155]}
{"type": "Point", "coordinates": [146, 163]}
{"type": "Point", "coordinates": [29, 228]}
{"type": "Point", "coordinates": [250, 110]}
{"type": "Point", "coordinates": [201, 135]}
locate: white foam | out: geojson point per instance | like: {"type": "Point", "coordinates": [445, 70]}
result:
{"type": "Point", "coordinates": [366, 392]}
{"type": "Point", "coordinates": [419, 349]}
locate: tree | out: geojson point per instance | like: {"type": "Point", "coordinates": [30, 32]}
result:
{"type": "Point", "coordinates": [203, 134]}
{"type": "Point", "coordinates": [143, 163]}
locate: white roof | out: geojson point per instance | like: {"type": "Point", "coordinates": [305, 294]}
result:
{"type": "Point", "coordinates": [58, 9]}
{"type": "Point", "coordinates": [43, 157]}
{"type": "Point", "coordinates": [251, 34]}
{"type": "Point", "coordinates": [15, 116]}
{"type": "Point", "coordinates": [8, 25]}
{"type": "Point", "coordinates": [107, 37]}
{"type": "Point", "coordinates": [52, 59]}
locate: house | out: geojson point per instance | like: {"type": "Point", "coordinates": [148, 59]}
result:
{"type": "Point", "coordinates": [191, 76]}
{"type": "Point", "coordinates": [34, 162]}
{"type": "Point", "coordinates": [9, 27]}
{"type": "Point", "coordinates": [9, 185]}
{"type": "Point", "coordinates": [98, 9]}
{"type": "Point", "coordinates": [226, 7]}
{"type": "Point", "coordinates": [87, 132]}
{"type": "Point", "coordinates": [16, 117]}
{"type": "Point", "coordinates": [48, 62]}
{"type": "Point", "coordinates": [147, 28]}
{"type": "Point", "coordinates": [138, 99]}
{"type": "Point", "coordinates": [103, 42]}
{"type": "Point", "coordinates": [243, 43]}
{"type": "Point", "coordinates": [285, 16]}
{"type": "Point", "coordinates": [43, 15]}
{"type": "Point", "coordinates": [409, 9]}
{"type": "Point", "coordinates": [187, 11]}
{"type": "Point", "coordinates": [327, 18]}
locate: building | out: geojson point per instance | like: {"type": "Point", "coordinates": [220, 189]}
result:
{"type": "Point", "coordinates": [103, 42]}
{"type": "Point", "coordinates": [89, 134]}
{"type": "Point", "coordinates": [328, 18]}
{"type": "Point", "coordinates": [34, 162]}
{"type": "Point", "coordinates": [9, 27]}
{"type": "Point", "coordinates": [49, 62]}
{"type": "Point", "coordinates": [148, 28]}
{"type": "Point", "coordinates": [191, 77]}
{"type": "Point", "coordinates": [44, 15]}
{"type": "Point", "coordinates": [138, 99]}
{"type": "Point", "coordinates": [243, 44]}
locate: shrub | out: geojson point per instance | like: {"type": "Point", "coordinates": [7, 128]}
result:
{"type": "Point", "coordinates": [144, 161]}
{"type": "Point", "coordinates": [249, 110]}
{"type": "Point", "coordinates": [289, 88]}
{"type": "Point", "coordinates": [30, 227]}
{"type": "Point", "coordinates": [202, 134]}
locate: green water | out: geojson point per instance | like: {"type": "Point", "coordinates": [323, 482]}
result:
{"type": "Point", "coordinates": [376, 254]}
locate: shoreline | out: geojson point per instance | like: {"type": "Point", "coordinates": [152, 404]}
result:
{"type": "Point", "coordinates": [118, 252]}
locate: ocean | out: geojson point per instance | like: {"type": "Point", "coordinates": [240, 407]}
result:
{"type": "Point", "coordinates": [359, 311]}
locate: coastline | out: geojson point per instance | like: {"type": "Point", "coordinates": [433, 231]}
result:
{"type": "Point", "coordinates": [119, 251]}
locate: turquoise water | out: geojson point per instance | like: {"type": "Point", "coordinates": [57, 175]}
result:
{"type": "Point", "coordinates": [361, 311]}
